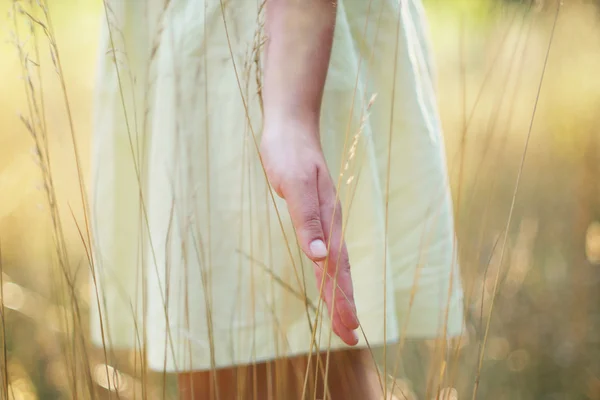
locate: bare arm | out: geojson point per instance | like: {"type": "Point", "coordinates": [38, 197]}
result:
{"type": "Point", "coordinates": [300, 36]}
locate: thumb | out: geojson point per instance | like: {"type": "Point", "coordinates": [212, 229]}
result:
{"type": "Point", "coordinates": [302, 198]}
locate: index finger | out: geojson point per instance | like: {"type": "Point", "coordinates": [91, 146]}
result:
{"type": "Point", "coordinates": [337, 291]}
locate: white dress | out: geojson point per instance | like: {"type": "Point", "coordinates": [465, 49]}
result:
{"type": "Point", "coordinates": [191, 260]}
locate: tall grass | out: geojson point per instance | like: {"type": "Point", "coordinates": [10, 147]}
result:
{"type": "Point", "coordinates": [518, 94]}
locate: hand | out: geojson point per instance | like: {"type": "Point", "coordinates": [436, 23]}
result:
{"type": "Point", "coordinates": [296, 169]}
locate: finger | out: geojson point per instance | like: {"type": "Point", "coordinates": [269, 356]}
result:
{"type": "Point", "coordinates": [345, 308]}
{"type": "Point", "coordinates": [341, 298]}
{"type": "Point", "coordinates": [348, 335]}
{"type": "Point", "coordinates": [302, 198]}
{"type": "Point", "coordinates": [338, 264]}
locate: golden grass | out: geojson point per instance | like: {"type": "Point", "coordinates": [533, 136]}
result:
{"type": "Point", "coordinates": [516, 246]}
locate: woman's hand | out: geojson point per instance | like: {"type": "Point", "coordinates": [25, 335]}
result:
{"type": "Point", "coordinates": [298, 48]}
{"type": "Point", "coordinates": [297, 171]}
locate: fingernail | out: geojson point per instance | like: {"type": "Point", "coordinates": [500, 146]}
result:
{"type": "Point", "coordinates": [355, 335]}
{"type": "Point", "coordinates": [318, 249]}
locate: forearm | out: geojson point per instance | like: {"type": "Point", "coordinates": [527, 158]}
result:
{"type": "Point", "coordinates": [300, 37]}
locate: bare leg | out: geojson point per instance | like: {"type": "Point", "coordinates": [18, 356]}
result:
{"type": "Point", "coordinates": [352, 375]}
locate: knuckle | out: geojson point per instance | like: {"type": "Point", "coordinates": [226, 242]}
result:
{"type": "Point", "coordinates": [341, 261]}
{"type": "Point", "coordinates": [303, 180]}
{"type": "Point", "coordinates": [295, 181]}
{"type": "Point", "coordinates": [312, 223]}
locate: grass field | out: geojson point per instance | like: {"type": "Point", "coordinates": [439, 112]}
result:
{"type": "Point", "coordinates": [544, 332]}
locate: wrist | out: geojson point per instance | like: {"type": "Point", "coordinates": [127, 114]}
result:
{"type": "Point", "coordinates": [286, 123]}
{"type": "Point", "coordinates": [281, 110]}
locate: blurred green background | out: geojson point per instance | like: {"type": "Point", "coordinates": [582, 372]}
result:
{"type": "Point", "coordinates": [544, 339]}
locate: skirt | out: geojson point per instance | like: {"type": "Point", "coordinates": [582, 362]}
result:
{"type": "Point", "coordinates": [195, 261]}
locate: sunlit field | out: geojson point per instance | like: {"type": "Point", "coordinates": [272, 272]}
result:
{"type": "Point", "coordinates": [519, 93]}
